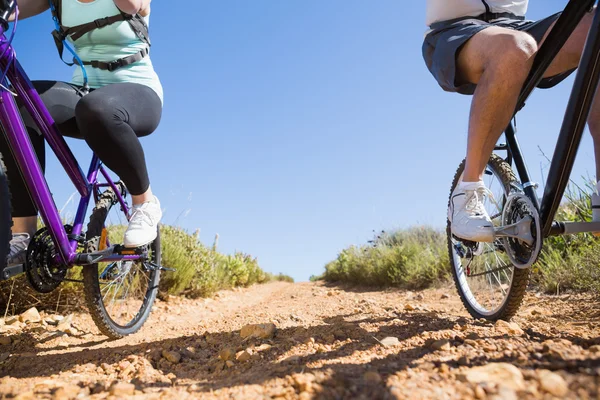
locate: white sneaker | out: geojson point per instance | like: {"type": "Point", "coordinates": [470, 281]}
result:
{"type": "Point", "coordinates": [143, 225]}
{"type": "Point", "coordinates": [18, 249]}
{"type": "Point", "coordinates": [467, 215]}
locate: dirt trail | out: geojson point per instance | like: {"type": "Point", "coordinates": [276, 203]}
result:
{"type": "Point", "coordinates": [327, 345]}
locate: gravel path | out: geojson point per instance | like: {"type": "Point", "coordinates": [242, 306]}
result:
{"type": "Point", "coordinates": [311, 342]}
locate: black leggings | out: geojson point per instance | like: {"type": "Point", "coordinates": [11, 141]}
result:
{"type": "Point", "coordinates": [110, 119]}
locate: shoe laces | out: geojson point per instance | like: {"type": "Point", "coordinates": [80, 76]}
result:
{"type": "Point", "coordinates": [141, 215]}
{"type": "Point", "coordinates": [19, 243]}
{"type": "Point", "coordinates": [475, 201]}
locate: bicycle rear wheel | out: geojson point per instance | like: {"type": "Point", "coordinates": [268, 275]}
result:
{"type": "Point", "coordinates": [5, 220]}
{"type": "Point", "coordinates": [489, 285]}
{"type": "Point", "coordinates": [120, 294]}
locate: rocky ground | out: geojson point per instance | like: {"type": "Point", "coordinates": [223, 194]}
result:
{"type": "Point", "coordinates": [312, 341]}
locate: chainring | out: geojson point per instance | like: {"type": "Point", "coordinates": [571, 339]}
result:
{"type": "Point", "coordinates": [517, 207]}
{"type": "Point", "coordinates": [43, 273]}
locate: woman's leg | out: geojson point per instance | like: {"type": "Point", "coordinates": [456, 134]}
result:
{"type": "Point", "coordinates": [60, 99]}
{"type": "Point", "coordinates": [111, 119]}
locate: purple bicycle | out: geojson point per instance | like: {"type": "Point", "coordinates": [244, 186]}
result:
{"type": "Point", "coordinates": [120, 284]}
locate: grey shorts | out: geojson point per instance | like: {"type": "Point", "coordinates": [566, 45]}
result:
{"type": "Point", "coordinates": [442, 45]}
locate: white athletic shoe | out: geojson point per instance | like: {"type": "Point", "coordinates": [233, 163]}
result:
{"type": "Point", "coordinates": [467, 215]}
{"type": "Point", "coordinates": [143, 225]}
{"type": "Point", "coordinates": [18, 249]}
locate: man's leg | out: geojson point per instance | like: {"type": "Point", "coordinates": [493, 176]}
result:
{"type": "Point", "coordinates": [498, 60]}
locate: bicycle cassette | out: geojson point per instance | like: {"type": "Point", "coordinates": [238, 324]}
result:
{"type": "Point", "coordinates": [521, 231]}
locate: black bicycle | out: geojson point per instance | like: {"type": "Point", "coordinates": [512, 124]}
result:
{"type": "Point", "coordinates": [492, 277]}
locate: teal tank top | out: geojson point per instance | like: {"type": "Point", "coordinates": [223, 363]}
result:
{"type": "Point", "coordinates": [108, 44]}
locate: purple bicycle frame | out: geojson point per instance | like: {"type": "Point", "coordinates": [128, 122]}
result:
{"type": "Point", "coordinates": [19, 142]}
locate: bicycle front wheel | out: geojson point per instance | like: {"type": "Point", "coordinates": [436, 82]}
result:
{"type": "Point", "coordinates": [489, 285]}
{"type": "Point", "coordinates": [119, 294]}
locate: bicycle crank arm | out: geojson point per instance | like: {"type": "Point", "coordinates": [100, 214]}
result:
{"type": "Point", "coordinates": [106, 255]}
{"type": "Point", "coordinates": [520, 230]}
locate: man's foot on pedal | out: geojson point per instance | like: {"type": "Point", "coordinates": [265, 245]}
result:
{"type": "Point", "coordinates": [467, 215]}
{"type": "Point", "coordinates": [18, 249]}
{"type": "Point", "coordinates": [143, 225]}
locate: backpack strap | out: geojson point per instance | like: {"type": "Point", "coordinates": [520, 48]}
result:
{"type": "Point", "coordinates": [61, 33]}
{"type": "Point", "coordinates": [121, 62]}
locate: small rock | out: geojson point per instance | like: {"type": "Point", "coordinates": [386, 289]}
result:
{"type": "Point", "coordinates": [553, 383]}
{"type": "Point", "coordinates": [303, 382]}
{"type": "Point", "coordinates": [171, 356]}
{"type": "Point", "coordinates": [65, 323]}
{"type": "Point", "coordinates": [120, 389]}
{"type": "Point", "coordinates": [71, 331]}
{"type": "Point", "coordinates": [372, 377]}
{"type": "Point", "coordinates": [309, 341]}
{"type": "Point", "coordinates": [498, 373]}
{"type": "Point", "coordinates": [193, 388]}
{"type": "Point", "coordinates": [419, 297]}
{"type": "Point", "coordinates": [331, 293]}
{"type": "Point", "coordinates": [11, 320]}
{"type": "Point", "coordinates": [243, 356]}
{"type": "Point", "coordinates": [31, 315]}
{"type": "Point", "coordinates": [5, 340]}
{"type": "Point", "coordinates": [445, 296]}
{"type": "Point", "coordinates": [480, 393]}
{"type": "Point", "coordinates": [265, 346]}
{"type": "Point", "coordinates": [226, 354]}
{"type": "Point", "coordinates": [229, 363]}
{"type": "Point", "coordinates": [509, 327]}
{"type": "Point", "coordinates": [67, 392]}
{"type": "Point", "coordinates": [390, 341]}
{"type": "Point", "coordinates": [261, 331]}
{"type": "Point", "coordinates": [594, 349]}
{"type": "Point", "coordinates": [441, 345]}
{"type": "Point", "coordinates": [409, 307]}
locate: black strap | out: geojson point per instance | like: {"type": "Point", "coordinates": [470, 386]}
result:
{"type": "Point", "coordinates": [78, 31]}
{"type": "Point", "coordinates": [487, 17]}
{"type": "Point", "coordinates": [121, 62]}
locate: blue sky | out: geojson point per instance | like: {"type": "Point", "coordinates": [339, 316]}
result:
{"type": "Point", "coordinates": [295, 128]}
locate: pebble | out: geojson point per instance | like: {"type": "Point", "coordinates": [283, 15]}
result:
{"type": "Point", "coordinates": [66, 392]}
{"type": "Point", "coordinates": [65, 323]}
{"type": "Point", "coordinates": [409, 307]}
{"type": "Point", "coordinates": [594, 349]}
{"type": "Point", "coordinates": [553, 383]}
{"type": "Point", "coordinates": [261, 331]}
{"type": "Point", "coordinates": [498, 373]}
{"type": "Point", "coordinates": [171, 356]}
{"type": "Point", "coordinates": [441, 345]}
{"type": "Point", "coordinates": [243, 356]}
{"type": "Point", "coordinates": [511, 328]}
{"type": "Point", "coordinates": [226, 354]}
{"type": "Point", "coordinates": [372, 377]}
{"type": "Point", "coordinates": [31, 315]}
{"type": "Point", "coordinates": [120, 389]}
{"type": "Point", "coordinates": [390, 341]}
{"type": "Point", "coordinates": [445, 296]}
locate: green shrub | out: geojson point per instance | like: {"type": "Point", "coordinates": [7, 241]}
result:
{"type": "Point", "coordinates": [412, 258]}
{"type": "Point", "coordinates": [200, 271]}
